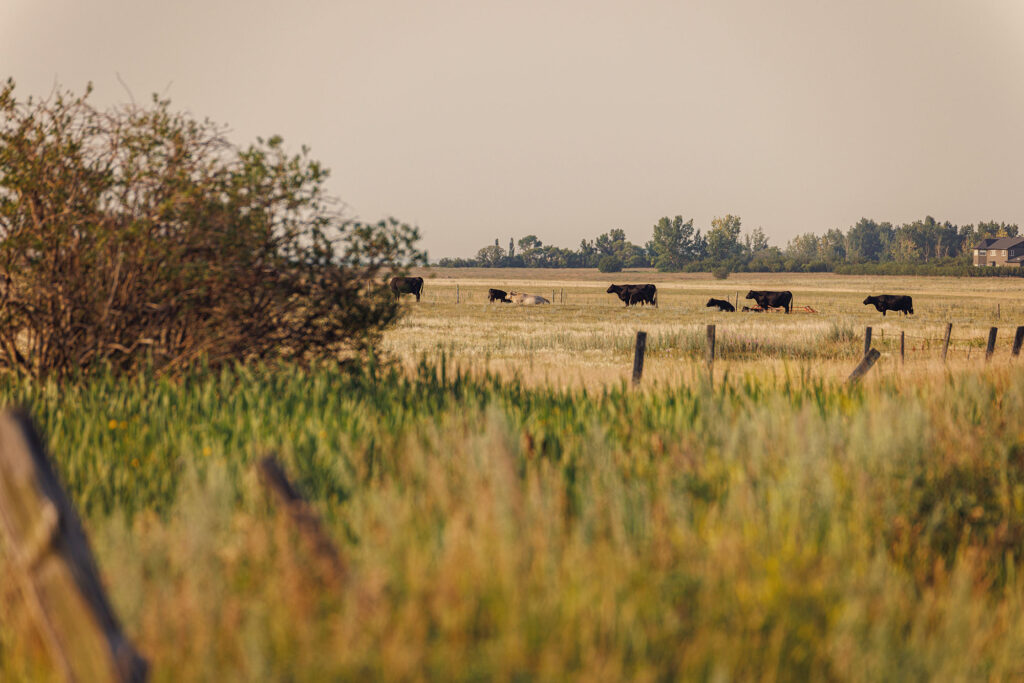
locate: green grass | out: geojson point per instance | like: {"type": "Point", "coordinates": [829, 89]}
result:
{"type": "Point", "coordinates": [771, 527]}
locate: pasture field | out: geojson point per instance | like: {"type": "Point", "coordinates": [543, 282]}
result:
{"type": "Point", "coordinates": [508, 508]}
{"type": "Point", "coordinates": [586, 337]}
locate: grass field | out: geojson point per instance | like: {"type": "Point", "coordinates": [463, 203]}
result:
{"type": "Point", "coordinates": [772, 525]}
{"type": "Point", "coordinates": [588, 340]}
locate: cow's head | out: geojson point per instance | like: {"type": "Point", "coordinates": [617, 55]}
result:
{"type": "Point", "coordinates": [871, 300]}
{"type": "Point", "coordinates": [613, 289]}
{"type": "Point", "coordinates": [750, 295]}
{"type": "Point", "coordinates": [710, 303]}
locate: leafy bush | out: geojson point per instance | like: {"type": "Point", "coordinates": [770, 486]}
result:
{"type": "Point", "coordinates": [609, 264]}
{"type": "Point", "coordinates": [720, 273]}
{"type": "Point", "coordinates": [139, 235]}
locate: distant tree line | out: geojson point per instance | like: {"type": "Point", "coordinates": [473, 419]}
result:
{"type": "Point", "coordinates": [926, 247]}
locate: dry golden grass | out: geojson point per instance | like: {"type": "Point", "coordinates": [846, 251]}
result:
{"type": "Point", "coordinates": [586, 337]}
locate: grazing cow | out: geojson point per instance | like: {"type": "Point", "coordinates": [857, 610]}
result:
{"type": "Point", "coordinates": [527, 299]}
{"type": "Point", "coordinates": [497, 295]}
{"type": "Point", "coordinates": [407, 285]}
{"type": "Point", "coordinates": [767, 299]}
{"type": "Point", "coordinates": [635, 294]}
{"type": "Point", "coordinates": [722, 305]}
{"type": "Point", "coordinates": [891, 302]}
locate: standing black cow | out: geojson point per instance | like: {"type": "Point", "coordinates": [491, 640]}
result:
{"type": "Point", "coordinates": [497, 295]}
{"type": "Point", "coordinates": [900, 303]}
{"type": "Point", "coordinates": [407, 285]}
{"type": "Point", "coordinates": [635, 294]}
{"type": "Point", "coordinates": [722, 305]}
{"type": "Point", "coordinates": [766, 299]}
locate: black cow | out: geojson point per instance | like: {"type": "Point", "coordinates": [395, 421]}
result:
{"type": "Point", "coordinates": [635, 294]}
{"type": "Point", "coordinates": [497, 295]}
{"type": "Point", "coordinates": [722, 305]}
{"type": "Point", "coordinates": [766, 299]}
{"type": "Point", "coordinates": [407, 285]}
{"type": "Point", "coordinates": [891, 302]}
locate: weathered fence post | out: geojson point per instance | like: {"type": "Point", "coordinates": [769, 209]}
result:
{"type": "Point", "coordinates": [990, 349]}
{"type": "Point", "coordinates": [902, 346]}
{"type": "Point", "coordinates": [456, 294]}
{"type": "Point", "coordinates": [1018, 339]}
{"type": "Point", "coordinates": [303, 518]}
{"type": "Point", "coordinates": [638, 357]}
{"type": "Point", "coordinates": [54, 566]}
{"type": "Point", "coordinates": [867, 339]}
{"type": "Point", "coordinates": [862, 368]}
{"type": "Point", "coordinates": [945, 344]}
{"type": "Point", "coordinates": [711, 353]}
{"type": "Point", "coordinates": [561, 296]}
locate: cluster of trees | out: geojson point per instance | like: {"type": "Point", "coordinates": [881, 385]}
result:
{"type": "Point", "coordinates": [926, 246]}
{"type": "Point", "coordinates": [138, 237]}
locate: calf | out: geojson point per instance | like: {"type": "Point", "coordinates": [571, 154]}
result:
{"type": "Point", "coordinates": [891, 302]}
{"type": "Point", "coordinates": [722, 305]}
{"type": "Point", "coordinates": [497, 295]}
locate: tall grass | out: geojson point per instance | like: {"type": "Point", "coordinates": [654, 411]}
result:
{"type": "Point", "coordinates": [770, 527]}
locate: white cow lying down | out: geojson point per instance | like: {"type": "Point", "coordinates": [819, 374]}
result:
{"type": "Point", "coordinates": [526, 299]}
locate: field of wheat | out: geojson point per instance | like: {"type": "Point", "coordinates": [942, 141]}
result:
{"type": "Point", "coordinates": [508, 507]}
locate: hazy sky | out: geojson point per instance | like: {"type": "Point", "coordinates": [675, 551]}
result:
{"type": "Point", "coordinates": [483, 119]}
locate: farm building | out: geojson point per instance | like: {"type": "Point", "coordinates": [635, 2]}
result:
{"type": "Point", "coordinates": [1003, 251]}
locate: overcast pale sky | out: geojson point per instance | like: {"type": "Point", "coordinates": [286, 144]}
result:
{"type": "Point", "coordinates": [482, 119]}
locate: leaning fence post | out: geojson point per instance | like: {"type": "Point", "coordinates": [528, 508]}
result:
{"type": "Point", "coordinates": [638, 357]}
{"type": "Point", "coordinates": [711, 353]}
{"type": "Point", "coordinates": [54, 566]}
{"type": "Point", "coordinates": [303, 518]}
{"type": "Point", "coordinates": [867, 339]}
{"type": "Point", "coordinates": [456, 294]}
{"type": "Point", "coordinates": [945, 344]}
{"type": "Point", "coordinates": [902, 340]}
{"type": "Point", "coordinates": [1018, 339]}
{"type": "Point", "coordinates": [862, 368]}
{"type": "Point", "coordinates": [990, 349]}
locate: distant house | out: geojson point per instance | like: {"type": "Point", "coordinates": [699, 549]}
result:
{"type": "Point", "coordinates": [1004, 251]}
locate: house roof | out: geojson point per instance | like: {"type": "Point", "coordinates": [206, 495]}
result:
{"type": "Point", "coordinates": [1001, 243]}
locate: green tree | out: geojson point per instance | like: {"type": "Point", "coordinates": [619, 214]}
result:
{"type": "Point", "coordinates": [492, 256]}
{"type": "Point", "coordinates": [864, 242]}
{"type": "Point", "coordinates": [138, 235]}
{"type": "Point", "coordinates": [755, 241]}
{"type": "Point", "coordinates": [804, 248]}
{"type": "Point", "coordinates": [724, 238]}
{"type": "Point", "coordinates": [676, 243]}
{"type": "Point", "coordinates": [529, 242]}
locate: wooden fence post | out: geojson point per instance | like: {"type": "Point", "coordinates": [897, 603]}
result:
{"type": "Point", "coordinates": [303, 517]}
{"type": "Point", "coordinates": [456, 294]}
{"type": "Point", "coordinates": [990, 349]}
{"type": "Point", "coordinates": [945, 344]}
{"type": "Point", "coordinates": [1018, 339]}
{"type": "Point", "coordinates": [902, 346]}
{"type": "Point", "coordinates": [862, 368]}
{"type": "Point", "coordinates": [867, 340]}
{"type": "Point", "coordinates": [638, 357]}
{"type": "Point", "coordinates": [54, 565]}
{"type": "Point", "coordinates": [711, 353]}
